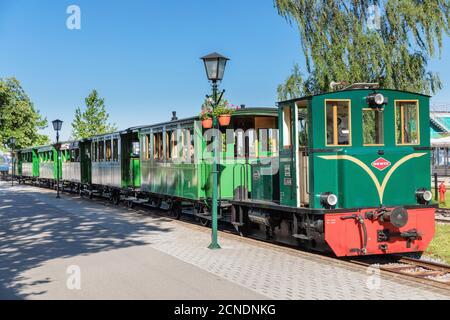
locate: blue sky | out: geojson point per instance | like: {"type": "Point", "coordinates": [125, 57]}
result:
{"type": "Point", "coordinates": [143, 56]}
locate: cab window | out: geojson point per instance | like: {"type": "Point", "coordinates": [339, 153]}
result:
{"type": "Point", "coordinates": [373, 127]}
{"type": "Point", "coordinates": [338, 121]}
{"type": "Point", "coordinates": [407, 122]}
{"type": "Point", "coordinates": [287, 127]}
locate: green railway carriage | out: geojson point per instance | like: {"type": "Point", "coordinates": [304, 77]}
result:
{"type": "Point", "coordinates": [48, 163]}
{"type": "Point", "coordinates": [71, 163]}
{"type": "Point", "coordinates": [28, 163]}
{"type": "Point", "coordinates": [176, 157]}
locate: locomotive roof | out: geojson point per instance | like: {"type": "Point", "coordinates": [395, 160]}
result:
{"type": "Point", "coordinates": [349, 90]}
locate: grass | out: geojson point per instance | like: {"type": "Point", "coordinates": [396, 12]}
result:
{"type": "Point", "coordinates": [440, 246]}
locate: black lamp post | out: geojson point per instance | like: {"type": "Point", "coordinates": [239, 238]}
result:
{"type": "Point", "coordinates": [12, 143]}
{"type": "Point", "coordinates": [57, 124]}
{"type": "Point", "coordinates": [215, 68]}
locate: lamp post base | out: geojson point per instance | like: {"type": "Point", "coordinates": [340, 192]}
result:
{"type": "Point", "coordinates": [214, 246]}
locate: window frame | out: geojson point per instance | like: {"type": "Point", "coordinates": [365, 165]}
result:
{"type": "Point", "coordinates": [350, 134]}
{"type": "Point", "coordinates": [362, 127]}
{"type": "Point", "coordinates": [401, 122]}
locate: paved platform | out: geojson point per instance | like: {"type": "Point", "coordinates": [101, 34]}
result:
{"type": "Point", "coordinates": [124, 254]}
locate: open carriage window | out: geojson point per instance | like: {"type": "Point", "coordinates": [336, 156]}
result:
{"type": "Point", "coordinates": [115, 150]}
{"type": "Point", "coordinates": [101, 151]}
{"type": "Point", "coordinates": [337, 117]}
{"type": "Point", "coordinates": [373, 127]}
{"type": "Point", "coordinates": [108, 151]}
{"type": "Point", "coordinates": [158, 146]}
{"type": "Point", "coordinates": [407, 122]}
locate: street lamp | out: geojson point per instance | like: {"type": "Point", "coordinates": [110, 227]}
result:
{"type": "Point", "coordinates": [215, 68]}
{"type": "Point", "coordinates": [12, 143]}
{"type": "Point", "coordinates": [57, 124]}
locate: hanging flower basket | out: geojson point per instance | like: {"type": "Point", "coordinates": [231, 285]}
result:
{"type": "Point", "coordinates": [223, 112]}
{"type": "Point", "coordinates": [207, 123]}
{"type": "Point", "coordinates": [206, 117]}
{"type": "Point", "coordinates": [224, 120]}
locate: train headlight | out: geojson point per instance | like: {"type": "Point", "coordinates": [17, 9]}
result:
{"type": "Point", "coordinates": [377, 99]}
{"type": "Point", "coordinates": [328, 200]}
{"type": "Point", "coordinates": [424, 196]}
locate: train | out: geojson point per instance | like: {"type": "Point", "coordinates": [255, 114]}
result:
{"type": "Point", "coordinates": [346, 172]}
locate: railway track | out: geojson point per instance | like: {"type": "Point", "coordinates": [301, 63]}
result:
{"type": "Point", "coordinates": [424, 272]}
{"type": "Point", "coordinates": [443, 215]}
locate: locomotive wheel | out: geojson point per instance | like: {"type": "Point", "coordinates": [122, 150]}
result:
{"type": "Point", "coordinates": [204, 222]}
{"type": "Point", "coordinates": [130, 204]}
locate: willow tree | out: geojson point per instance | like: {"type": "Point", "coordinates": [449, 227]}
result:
{"type": "Point", "coordinates": [389, 42]}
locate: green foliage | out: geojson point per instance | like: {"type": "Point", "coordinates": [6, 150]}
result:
{"type": "Point", "coordinates": [223, 108]}
{"type": "Point", "coordinates": [92, 121]}
{"type": "Point", "coordinates": [18, 117]}
{"type": "Point", "coordinates": [339, 44]}
{"type": "Point", "coordinates": [294, 86]}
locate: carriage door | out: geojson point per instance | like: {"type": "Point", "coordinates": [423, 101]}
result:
{"type": "Point", "coordinates": [302, 154]}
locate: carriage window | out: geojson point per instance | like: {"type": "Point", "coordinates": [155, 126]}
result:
{"type": "Point", "coordinates": [94, 152]}
{"type": "Point", "coordinates": [169, 145]}
{"type": "Point", "coordinates": [373, 127]}
{"type": "Point", "coordinates": [287, 127]}
{"type": "Point", "coordinates": [338, 123]}
{"type": "Point", "coordinates": [302, 126]}
{"type": "Point", "coordinates": [407, 122]}
{"type": "Point", "coordinates": [136, 149]}
{"type": "Point", "coordinates": [101, 151]}
{"type": "Point", "coordinates": [115, 150]}
{"type": "Point", "coordinates": [108, 150]}
{"type": "Point", "coordinates": [146, 146]}
{"type": "Point", "coordinates": [157, 146]}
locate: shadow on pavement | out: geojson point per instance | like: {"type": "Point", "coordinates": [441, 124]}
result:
{"type": "Point", "coordinates": [33, 231]}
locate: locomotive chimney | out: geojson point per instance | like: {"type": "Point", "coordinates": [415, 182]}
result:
{"type": "Point", "coordinates": [174, 116]}
{"type": "Point", "coordinates": [242, 106]}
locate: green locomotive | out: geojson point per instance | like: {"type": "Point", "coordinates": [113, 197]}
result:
{"type": "Point", "coordinates": [346, 171]}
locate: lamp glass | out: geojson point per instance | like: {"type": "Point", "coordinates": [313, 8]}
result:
{"type": "Point", "coordinates": [57, 124]}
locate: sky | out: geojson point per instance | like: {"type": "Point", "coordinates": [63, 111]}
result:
{"type": "Point", "coordinates": [143, 56]}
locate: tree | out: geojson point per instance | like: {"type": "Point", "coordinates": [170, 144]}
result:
{"type": "Point", "coordinates": [293, 87]}
{"type": "Point", "coordinates": [18, 117]}
{"type": "Point", "coordinates": [94, 120]}
{"type": "Point", "coordinates": [384, 41]}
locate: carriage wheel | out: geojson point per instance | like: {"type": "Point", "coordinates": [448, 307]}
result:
{"type": "Point", "coordinates": [176, 210]}
{"type": "Point", "coordinates": [156, 202]}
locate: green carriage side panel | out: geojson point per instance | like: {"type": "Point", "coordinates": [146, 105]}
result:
{"type": "Point", "coordinates": [130, 162]}
{"type": "Point", "coordinates": [348, 171]}
{"type": "Point", "coordinates": [135, 169]}
{"type": "Point", "coordinates": [35, 163]}
{"type": "Point", "coordinates": [236, 173]}
{"type": "Point", "coordinates": [167, 177]}
{"type": "Point", "coordinates": [86, 164]}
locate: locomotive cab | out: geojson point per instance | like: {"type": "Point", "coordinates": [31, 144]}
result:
{"type": "Point", "coordinates": [355, 166]}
